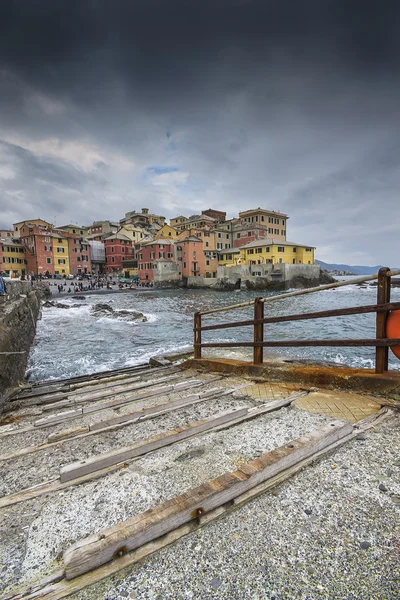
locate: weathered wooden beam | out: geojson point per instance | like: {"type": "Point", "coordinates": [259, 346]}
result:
{"type": "Point", "coordinates": [79, 396]}
{"type": "Point", "coordinates": [114, 402]}
{"type": "Point", "coordinates": [300, 343]}
{"type": "Point", "coordinates": [117, 423]}
{"type": "Point", "coordinates": [324, 314]}
{"type": "Point", "coordinates": [56, 484]}
{"type": "Point", "coordinates": [99, 549]}
{"type": "Point", "coordinates": [160, 440]}
{"type": "Point", "coordinates": [63, 588]}
{"type": "Point", "coordinates": [158, 409]}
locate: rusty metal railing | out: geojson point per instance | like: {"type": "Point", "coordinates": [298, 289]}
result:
{"type": "Point", "coordinates": [382, 309]}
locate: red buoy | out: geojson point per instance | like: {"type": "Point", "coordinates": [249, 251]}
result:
{"type": "Point", "coordinates": [393, 330]}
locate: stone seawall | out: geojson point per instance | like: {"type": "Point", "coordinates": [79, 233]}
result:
{"type": "Point", "coordinates": [19, 312]}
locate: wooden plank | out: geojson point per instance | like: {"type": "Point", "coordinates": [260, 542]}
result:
{"type": "Point", "coordinates": [56, 485]}
{"type": "Point", "coordinates": [160, 440]}
{"type": "Point", "coordinates": [59, 438]}
{"type": "Point", "coordinates": [158, 409]}
{"type": "Point", "coordinates": [98, 549]}
{"type": "Point", "coordinates": [130, 400]}
{"type": "Point", "coordinates": [65, 588]}
{"type": "Point", "coordinates": [96, 378]}
{"type": "Point", "coordinates": [300, 343]}
{"type": "Point", "coordinates": [76, 413]}
{"type": "Point", "coordinates": [324, 314]}
{"type": "Point", "coordinates": [79, 397]}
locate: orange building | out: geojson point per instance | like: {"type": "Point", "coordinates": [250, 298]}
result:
{"type": "Point", "coordinates": [191, 257]}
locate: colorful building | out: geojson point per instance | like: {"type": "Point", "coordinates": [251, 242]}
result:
{"type": "Point", "coordinates": [12, 258]}
{"type": "Point", "coordinates": [166, 232]}
{"type": "Point", "coordinates": [60, 254]}
{"type": "Point", "coordinates": [190, 256]}
{"type": "Point", "coordinates": [273, 252]}
{"type": "Point", "coordinates": [258, 223]}
{"type": "Point", "coordinates": [118, 248]}
{"type": "Point", "coordinates": [150, 253]}
{"type": "Point", "coordinates": [79, 255]}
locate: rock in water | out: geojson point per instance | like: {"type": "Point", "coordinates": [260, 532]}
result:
{"type": "Point", "coordinates": [102, 310]}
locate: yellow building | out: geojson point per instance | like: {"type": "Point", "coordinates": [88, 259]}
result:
{"type": "Point", "coordinates": [166, 232]}
{"type": "Point", "coordinates": [230, 258]}
{"type": "Point", "coordinates": [134, 233]}
{"type": "Point", "coordinates": [178, 223]}
{"type": "Point", "coordinates": [276, 251]}
{"type": "Point", "coordinates": [61, 255]}
{"type": "Point", "coordinates": [12, 258]}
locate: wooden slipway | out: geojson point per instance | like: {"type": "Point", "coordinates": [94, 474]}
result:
{"type": "Point", "coordinates": [138, 412]}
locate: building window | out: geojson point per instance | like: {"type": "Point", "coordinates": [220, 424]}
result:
{"type": "Point", "coordinates": [61, 261]}
{"type": "Point", "coordinates": [112, 248]}
{"type": "Point", "coordinates": [48, 261]}
{"type": "Point", "coordinates": [184, 265]}
{"type": "Point", "coordinates": [259, 250]}
{"type": "Point", "coordinates": [122, 249]}
{"type": "Point", "coordinates": [60, 250]}
{"type": "Point", "coordinates": [250, 251]}
{"type": "Point", "coordinates": [238, 235]}
{"type": "Point", "coordinates": [283, 221]}
{"type": "Point", "coordinates": [281, 249]}
{"type": "Point", "coordinates": [46, 239]}
{"type": "Point", "coordinates": [48, 248]}
{"type": "Point", "coordinates": [308, 249]}
{"type": "Point", "coordinates": [112, 259]}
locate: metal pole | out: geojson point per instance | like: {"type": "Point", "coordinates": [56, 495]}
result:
{"type": "Point", "coordinates": [258, 331]}
{"type": "Point", "coordinates": [383, 297]}
{"type": "Point", "coordinates": [197, 335]}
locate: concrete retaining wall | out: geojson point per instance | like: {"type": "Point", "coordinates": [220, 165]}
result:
{"type": "Point", "coordinates": [19, 312]}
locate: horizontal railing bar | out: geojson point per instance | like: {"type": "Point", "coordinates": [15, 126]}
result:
{"type": "Point", "coordinates": [337, 312]}
{"type": "Point", "coordinates": [320, 288]}
{"type": "Point", "coordinates": [294, 343]}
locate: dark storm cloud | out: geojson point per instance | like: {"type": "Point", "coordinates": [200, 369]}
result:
{"type": "Point", "coordinates": [288, 105]}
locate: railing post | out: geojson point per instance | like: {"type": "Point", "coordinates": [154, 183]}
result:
{"type": "Point", "coordinates": [197, 335]}
{"type": "Point", "coordinates": [383, 297]}
{"type": "Point", "coordinates": [258, 351]}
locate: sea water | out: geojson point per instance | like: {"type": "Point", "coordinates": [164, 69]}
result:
{"type": "Point", "coordinates": [75, 341]}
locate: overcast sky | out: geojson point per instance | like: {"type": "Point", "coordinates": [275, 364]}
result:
{"type": "Point", "coordinates": [181, 105]}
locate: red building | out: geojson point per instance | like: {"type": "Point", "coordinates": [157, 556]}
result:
{"type": "Point", "coordinates": [118, 248]}
{"type": "Point", "coordinates": [38, 242]}
{"type": "Point", "coordinates": [152, 251]}
{"type": "Point", "coordinates": [79, 254]}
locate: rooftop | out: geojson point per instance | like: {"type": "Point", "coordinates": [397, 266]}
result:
{"type": "Point", "coordinates": [273, 242]}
